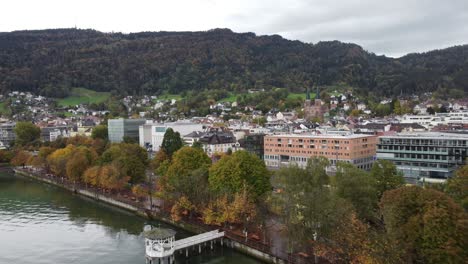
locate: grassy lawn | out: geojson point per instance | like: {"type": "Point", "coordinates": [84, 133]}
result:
{"type": "Point", "coordinates": [83, 96]}
{"type": "Point", "coordinates": [3, 109]}
{"type": "Point", "coordinates": [231, 98]}
{"type": "Point", "coordinates": [167, 96]}
{"type": "Point", "coordinates": [66, 114]}
{"type": "Point", "coordinates": [300, 95]}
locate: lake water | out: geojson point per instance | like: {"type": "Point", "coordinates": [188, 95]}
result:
{"type": "Point", "coordinates": [40, 223]}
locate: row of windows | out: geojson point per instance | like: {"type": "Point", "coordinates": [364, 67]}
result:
{"type": "Point", "coordinates": [412, 148]}
{"type": "Point", "coordinates": [425, 156]}
{"type": "Point", "coordinates": [311, 146]}
{"type": "Point", "coordinates": [423, 142]}
{"type": "Point", "coordinates": [273, 161]}
{"type": "Point", "coordinates": [300, 140]}
{"type": "Point", "coordinates": [423, 165]}
{"type": "Point", "coordinates": [310, 152]}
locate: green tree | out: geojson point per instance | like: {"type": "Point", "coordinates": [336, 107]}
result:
{"type": "Point", "coordinates": [171, 142]}
{"type": "Point", "coordinates": [231, 172]}
{"type": "Point", "coordinates": [131, 159]}
{"type": "Point", "coordinates": [386, 176]}
{"type": "Point", "coordinates": [457, 187]}
{"type": "Point", "coordinates": [101, 132]}
{"type": "Point", "coordinates": [312, 213]}
{"type": "Point", "coordinates": [187, 176]}
{"type": "Point", "coordinates": [397, 109]}
{"type": "Point", "coordinates": [357, 187]}
{"type": "Point", "coordinates": [26, 133]}
{"type": "Point", "coordinates": [197, 144]}
{"type": "Point", "coordinates": [427, 225]}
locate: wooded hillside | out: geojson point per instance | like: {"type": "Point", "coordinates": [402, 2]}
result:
{"type": "Point", "coordinates": [50, 62]}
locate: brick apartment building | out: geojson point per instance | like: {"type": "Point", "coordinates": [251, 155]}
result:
{"type": "Point", "coordinates": [357, 149]}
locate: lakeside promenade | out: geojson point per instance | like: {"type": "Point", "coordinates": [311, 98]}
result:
{"type": "Point", "coordinates": [269, 252]}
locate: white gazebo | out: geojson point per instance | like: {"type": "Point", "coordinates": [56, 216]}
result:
{"type": "Point", "coordinates": [159, 243]}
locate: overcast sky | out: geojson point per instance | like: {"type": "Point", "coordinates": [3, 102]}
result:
{"type": "Point", "coordinates": [390, 27]}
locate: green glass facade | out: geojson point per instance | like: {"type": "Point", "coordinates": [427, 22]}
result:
{"type": "Point", "coordinates": [424, 155]}
{"type": "Point", "coordinates": [120, 128]}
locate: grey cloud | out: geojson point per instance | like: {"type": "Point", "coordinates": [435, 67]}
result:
{"type": "Point", "coordinates": [393, 28]}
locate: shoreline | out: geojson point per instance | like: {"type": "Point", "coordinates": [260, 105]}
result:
{"type": "Point", "coordinates": [240, 247]}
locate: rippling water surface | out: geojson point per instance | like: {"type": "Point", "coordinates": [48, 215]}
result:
{"type": "Point", "coordinates": [40, 223]}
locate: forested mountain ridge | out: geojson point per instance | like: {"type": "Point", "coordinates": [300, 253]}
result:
{"type": "Point", "coordinates": [49, 62]}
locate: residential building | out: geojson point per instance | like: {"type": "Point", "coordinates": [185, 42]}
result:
{"type": "Point", "coordinates": [218, 140]}
{"type": "Point", "coordinates": [7, 134]}
{"type": "Point", "coordinates": [426, 156]}
{"type": "Point", "coordinates": [152, 134]}
{"type": "Point", "coordinates": [357, 149]}
{"type": "Point", "coordinates": [55, 132]}
{"type": "Point", "coordinates": [120, 128]}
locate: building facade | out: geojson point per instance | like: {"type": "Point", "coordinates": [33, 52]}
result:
{"type": "Point", "coordinates": [218, 140]}
{"type": "Point", "coordinates": [120, 128]}
{"type": "Point", "coordinates": [315, 109]}
{"type": "Point", "coordinates": [152, 134]}
{"type": "Point", "coordinates": [53, 133]}
{"type": "Point", "coordinates": [253, 143]}
{"type": "Point", "coordinates": [357, 149]}
{"type": "Point", "coordinates": [427, 156]}
{"type": "Point", "coordinates": [7, 134]}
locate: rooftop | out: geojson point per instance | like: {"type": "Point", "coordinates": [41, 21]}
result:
{"type": "Point", "coordinates": [159, 233]}
{"type": "Point", "coordinates": [344, 136]}
{"type": "Point", "coordinates": [429, 135]}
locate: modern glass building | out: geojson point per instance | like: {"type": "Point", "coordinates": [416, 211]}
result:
{"type": "Point", "coordinates": [425, 156]}
{"type": "Point", "coordinates": [120, 128]}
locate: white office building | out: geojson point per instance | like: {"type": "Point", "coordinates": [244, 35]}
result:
{"type": "Point", "coordinates": [152, 134]}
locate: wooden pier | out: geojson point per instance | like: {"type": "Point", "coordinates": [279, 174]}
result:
{"type": "Point", "coordinates": [161, 244]}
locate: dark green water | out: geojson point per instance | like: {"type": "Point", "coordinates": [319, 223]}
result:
{"type": "Point", "coordinates": [40, 223]}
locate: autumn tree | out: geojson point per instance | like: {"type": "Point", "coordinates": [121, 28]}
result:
{"type": "Point", "coordinates": [182, 207]}
{"type": "Point", "coordinates": [218, 211]}
{"type": "Point", "coordinates": [110, 177]}
{"type": "Point", "coordinates": [77, 165]}
{"type": "Point", "coordinates": [349, 240]}
{"type": "Point", "coordinates": [140, 191]}
{"type": "Point", "coordinates": [80, 141]}
{"type": "Point", "coordinates": [243, 207]}
{"type": "Point", "coordinates": [21, 158]}
{"type": "Point", "coordinates": [131, 159]}
{"type": "Point", "coordinates": [91, 175]}
{"type": "Point", "coordinates": [386, 176]}
{"type": "Point", "coordinates": [428, 225]}
{"type": "Point", "coordinates": [58, 160]}
{"type": "Point", "coordinates": [158, 159]}
{"type": "Point", "coordinates": [26, 133]}
{"type": "Point", "coordinates": [6, 156]}
{"type": "Point", "coordinates": [457, 187]}
{"type": "Point", "coordinates": [41, 159]}
{"type": "Point", "coordinates": [231, 172]}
